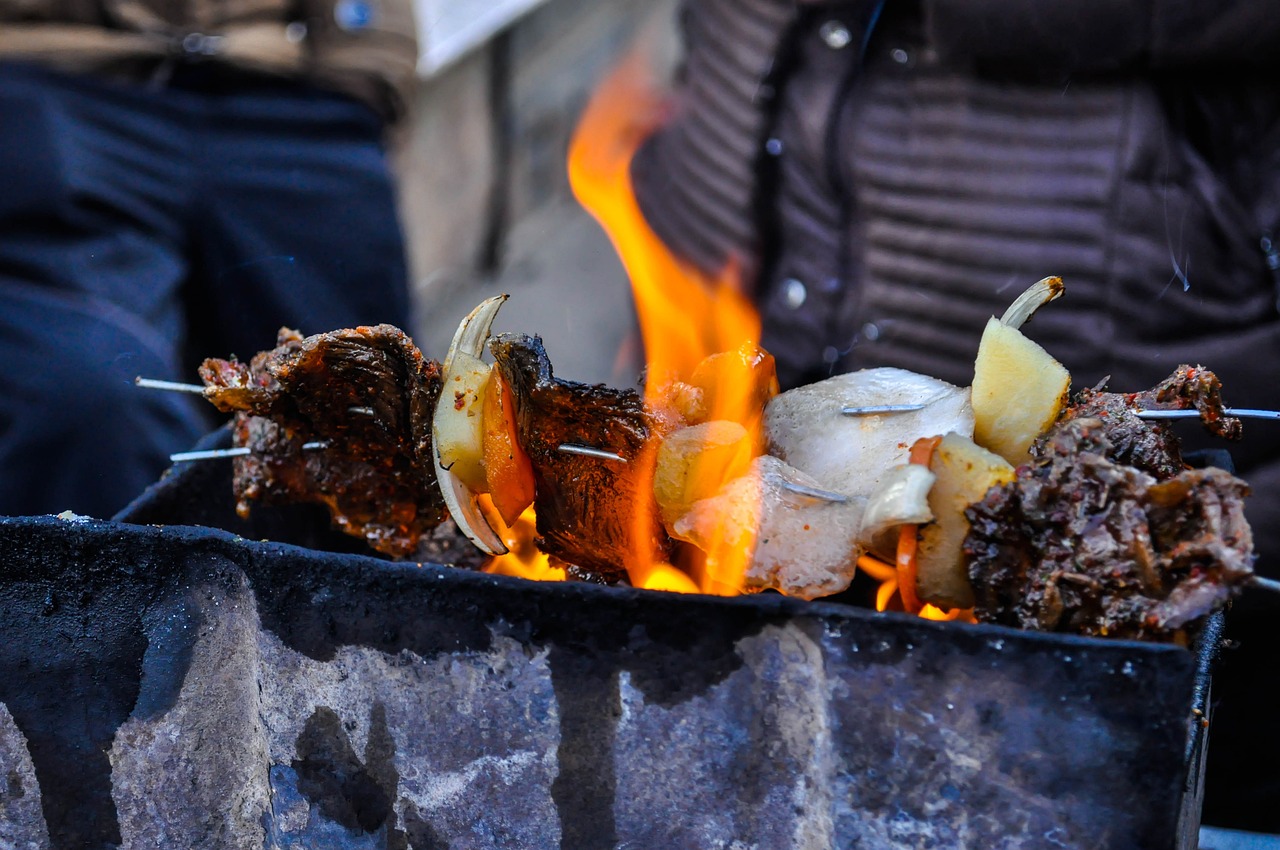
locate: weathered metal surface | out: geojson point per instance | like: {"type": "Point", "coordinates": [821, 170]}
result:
{"type": "Point", "coordinates": [182, 687]}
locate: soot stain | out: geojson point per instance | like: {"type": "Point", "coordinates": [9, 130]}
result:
{"type": "Point", "coordinates": [586, 784]}
{"type": "Point", "coordinates": [74, 643]}
{"type": "Point", "coordinates": [353, 792]}
{"type": "Point", "coordinates": [421, 834]}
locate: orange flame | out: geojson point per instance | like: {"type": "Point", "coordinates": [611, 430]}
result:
{"type": "Point", "coordinates": [685, 314]}
{"type": "Point", "coordinates": [523, 558]}
{"type": "Point", "coordinates": [889, 598]}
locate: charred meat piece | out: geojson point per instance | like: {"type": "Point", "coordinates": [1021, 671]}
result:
{"type": "Point", "coordinates": [1152, 446]}
{"type": "Point", "coordinates": [1080, 543]}
{"type": "Point", "coordinates": [367, 394]}
{"type": "Point", "coordinates": [594, 513]}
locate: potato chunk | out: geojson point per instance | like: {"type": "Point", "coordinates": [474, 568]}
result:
{"type": "Point", "coordinates": [694, 462]}
{"type": "Point", "coordinates": [965, 472]}
{"type": "Point", "coordinates": [1018, 392]}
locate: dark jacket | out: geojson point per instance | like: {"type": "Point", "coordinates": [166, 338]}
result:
{"type": "Point", "coordinates": [889, 184]}
{"type": "Point", "coordinates": [886, 201]}
{"type": "Point", "coordinates": [366, 48]}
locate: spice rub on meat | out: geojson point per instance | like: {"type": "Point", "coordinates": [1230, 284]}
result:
{"type": "Point", "coordinates": [1079, 542]}
{"type": "Point", "coordinates": [1148, 445]}
{"type": "Point", "coordinates": [590, 509]}
{"type": "Point", "coordinates": [366, 394]}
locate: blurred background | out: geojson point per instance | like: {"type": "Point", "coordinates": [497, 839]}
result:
{"type": "Point", "coordinates": [484, 195]}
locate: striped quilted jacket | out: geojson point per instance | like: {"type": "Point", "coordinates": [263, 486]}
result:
{"type": "Point", "coordinates": [892, 174]}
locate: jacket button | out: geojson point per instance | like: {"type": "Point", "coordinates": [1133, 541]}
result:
{"type": "Point", "coordinates": [295, 32]}
{"type": "Point", "coordinates": [353, 14]}
{"type": "Point", "coordinates": [900, 56]}
{"type": "Point", "coordinates": [835, 35]}
{"type": "Point", "coordinates": [794, 293]}
{"type": "Point", "coordinates": [198, 44]}
{"type": "Point", "coordinates": [773, 147]}
{"type": "Point", "coordinates": [830, 354]}
{"type": "Point", "coordinates": [871, 332]}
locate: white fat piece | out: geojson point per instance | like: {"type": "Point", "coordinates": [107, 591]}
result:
{"type": "Point", "coordinates": [851, 454]}
{"type": "Point", "coordinates": [804, 547]}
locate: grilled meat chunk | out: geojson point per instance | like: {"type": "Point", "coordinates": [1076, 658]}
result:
{"type": "Point", "coordinates": [366, 393]}
{"type": "Point", "coordinates": [593, 513]}
{"type": "Point", "coordinates": [1147, 445]}
{"type": "Point", "coordinates": [1080, 543]}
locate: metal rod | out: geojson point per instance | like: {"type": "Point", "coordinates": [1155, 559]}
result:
{"type": "Point", "coordinates": [171, 386]}
{"type": "Point", "coordinates": [362, 411]}
{"type": "Point", "coordinates": [217, 454]}
{"type": "Point", "coordinates": [815, 493]}
{"type": "Point", "coordinates": [588, 451]}
{"type": "Point", "coordinates": [1242, 412]}
{"type": "Point", "coordinates": [880, 408]}
{"type": "Point", "coordinates": [1265, 584]}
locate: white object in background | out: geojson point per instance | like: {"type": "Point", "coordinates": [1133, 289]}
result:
{"type": "Point", "coordinates": [449, 29]}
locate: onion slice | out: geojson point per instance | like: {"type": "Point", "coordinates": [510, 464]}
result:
{"type": "Point", "coordinates": [466, 349]}
{"type": "Point", "coordinates": [901, 498]}
{"type": "Point", "coordinates": [1036, 296]}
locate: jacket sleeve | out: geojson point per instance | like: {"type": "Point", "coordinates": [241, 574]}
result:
{"type": "Point", "coordinates": [1105, 35]}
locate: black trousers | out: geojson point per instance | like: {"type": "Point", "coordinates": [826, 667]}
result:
{"type": "Point", "coordinates": [142, 228]}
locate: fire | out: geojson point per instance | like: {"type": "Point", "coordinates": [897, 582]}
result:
{"type": "Point", "coordinates": [523, 558]}
{"type": "Point", "coordinates": [685, 317]}
{"type": "Point", "coordinates": [889, 598]}
{"type": "Point", "coordinates": [685, 314]}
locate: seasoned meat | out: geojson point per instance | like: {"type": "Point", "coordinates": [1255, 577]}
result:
{"type": "Point", "coordinates": [367, 395]}
{"type": "Point", "coordinates": [1080, 543]}
{"type": "Point", "coordinates": [593, 513]}
{"type": "Point", "coordinates": [1149, 445]}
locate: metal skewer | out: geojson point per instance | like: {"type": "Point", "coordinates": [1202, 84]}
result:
{"type": "Point", "coordinates": [872, 409]}
{"type": "Point", "coordinates": [588, 451]}
{"type": "Point", "coordinates": [1265, 584]}
{"type": "Point", "coordinates": [217, 454]}
{"type": "Point", "coordinates": [1241, 412]}
{"type": "Point", "coordinates": [198, 389]}
{"type": "Point", "coordinates": [815, 493]}
{"type": "Point", "coordinates": [171, 386]}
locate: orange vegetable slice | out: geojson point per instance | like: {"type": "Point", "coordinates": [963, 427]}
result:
{"type": "Point", "coordinates": [909, 535]}
{"type": "Point", "coordinates": [508, 471]}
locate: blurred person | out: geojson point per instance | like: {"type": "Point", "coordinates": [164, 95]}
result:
{"type": "Point", "coordinates": [890, 174]}
{"type": "Point", "coordinates": [179, 180]}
